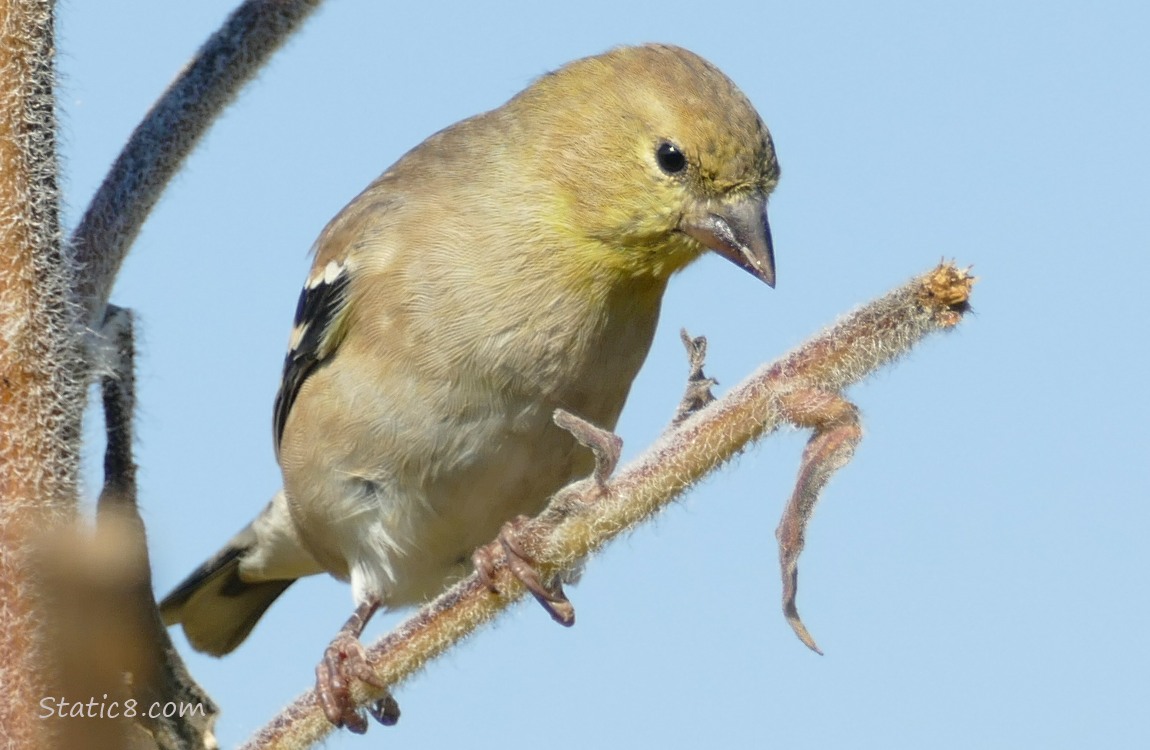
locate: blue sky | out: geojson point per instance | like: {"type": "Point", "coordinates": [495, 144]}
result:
{"type": "Point", "coordinates": [977, 576]}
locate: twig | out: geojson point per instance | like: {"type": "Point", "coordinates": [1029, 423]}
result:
{"type": "Point", "coordinates": [698, 393]}
{"type": "Point", "coordinates": [40, 392]}
{"type": "Point", "coordinates": [157, 673]}
{"type": "Point", "coordinates": [106, 637]}
{"type": "Point", "coordinates": [802, 387]}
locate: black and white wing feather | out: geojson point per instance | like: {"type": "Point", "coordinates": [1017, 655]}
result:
{"type": "Point", "coordinates": [320, 319]}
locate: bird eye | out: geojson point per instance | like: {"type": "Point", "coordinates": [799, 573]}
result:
{"type": "Point", "coordinates": [670, 158]}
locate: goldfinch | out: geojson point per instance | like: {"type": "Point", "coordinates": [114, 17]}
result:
{"type": "Point", "coordinates": [510, 265]}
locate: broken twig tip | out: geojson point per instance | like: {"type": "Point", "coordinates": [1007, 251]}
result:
{"type": "Point", "coordinates": [698, 393]}
{"type": "Point", "coordinates": [606, 445]}
{"type": "Point", "coordinates": [948, 287]}
{"type": "Point", "coordinates": [803, 634]}
{"type": "Point", "coordinates": [791, 612]}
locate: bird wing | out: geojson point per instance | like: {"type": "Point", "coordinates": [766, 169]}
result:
{"type": "Point", "coordinates": [320, 319]}
{"type": "Point", "coordinates": [323, 311]}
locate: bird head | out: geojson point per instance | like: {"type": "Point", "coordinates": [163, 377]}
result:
{"type": "Point", "coordinates": [654, 157]}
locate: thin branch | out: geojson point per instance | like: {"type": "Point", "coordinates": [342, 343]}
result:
{"type": "Point", "coordinates": [106, 637]}
{"type": "Point", "coordinates": [699, 386]}
{"type": "Point", "coordinates": [169, 132]}
{"type": "Point", "coordinates": [585, 516]}
{"type": "Point", "coordinates": [132, 628]}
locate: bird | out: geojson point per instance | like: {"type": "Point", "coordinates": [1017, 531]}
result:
{"type": "Point", "coordinates": [511, 264]}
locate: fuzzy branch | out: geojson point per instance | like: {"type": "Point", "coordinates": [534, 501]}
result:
{"type": "Point", "coordinates": [169, 132]}
{"type": "Point", "coordinates": [39, 359]}
{"type": "Point", "coordinates": [133, 634]}
{"type": "Point", "coordinates": [802, 388]}
{"type": "Point", "coordinates": [106, 636]}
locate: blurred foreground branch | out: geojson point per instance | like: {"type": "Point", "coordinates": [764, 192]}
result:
{"type": "Point", "coordinates": [108, 639]}
{"type": "Point", "coordinates": [803, 388]}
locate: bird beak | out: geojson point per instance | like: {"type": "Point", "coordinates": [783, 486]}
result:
{"type": "Point", "coordinates": [739, 232]}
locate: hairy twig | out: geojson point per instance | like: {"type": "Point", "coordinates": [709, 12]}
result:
{"type": "Point", "coordinates": [133, 628]}
{"type": "Point", "coordinates": [801, 388]}
{"type": "Point", "coordinates": [169, 132]}
{"type": "Point", "coordinates": [106, 636]}
{"type": "Point", "coordinates": [40, 392]}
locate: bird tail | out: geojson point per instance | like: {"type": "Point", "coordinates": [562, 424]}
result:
{"type": "Point", "coordinates": [217, 608]}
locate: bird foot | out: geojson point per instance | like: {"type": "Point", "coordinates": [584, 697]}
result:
{"type": "Point", "coordinates": [508, 548]}
{"type": "Point", "coordinates": [344, 660]}
{"type": "Point", "coordinates": [550, 595]}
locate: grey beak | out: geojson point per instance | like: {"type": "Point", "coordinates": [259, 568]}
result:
{"type": "Point", "coordinates": [739, 232]}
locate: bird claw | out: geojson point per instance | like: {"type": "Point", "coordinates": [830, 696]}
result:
{"type": "Point", "coordinates": [385, 711]}
{"type": "Point", "coordinates": [508, 550]}
{"type": "Point", "coordinates": [344, 660]}
{"type": "Point", "coordinates": [549, 595]}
